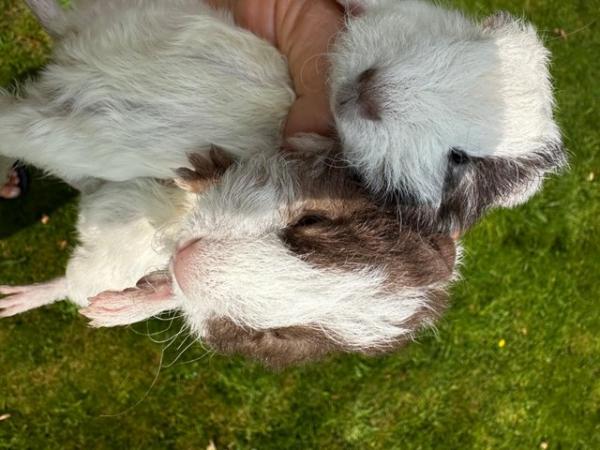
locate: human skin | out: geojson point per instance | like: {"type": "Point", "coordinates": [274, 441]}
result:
{"type": "Point", "coordinates": [11, 188]}
{"type": "Point", "coordinates": [302, 30]}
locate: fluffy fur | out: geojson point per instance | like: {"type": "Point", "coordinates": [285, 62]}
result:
{"type": "Point", "coordinates": [241, 256]}
{"type": "Point", "coordinates": [444, 85]}
{"type": "Point", "coordinates": [135, 86]}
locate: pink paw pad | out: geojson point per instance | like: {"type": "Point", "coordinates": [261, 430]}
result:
{"type": "Point", "coordinates": [152, 296]}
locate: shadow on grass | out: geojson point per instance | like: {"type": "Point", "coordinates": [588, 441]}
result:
{"type": "Point", "coordinates": [46, 195]}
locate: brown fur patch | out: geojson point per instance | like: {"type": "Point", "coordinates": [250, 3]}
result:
{"type": "Point", "coordinates": [347, 229]}
{"type": "Point", "coordinates": [334, 223]}
{"type": "Point", "coordinates": [278, 348]}
{"type": "Point", "coordinates": [471, 189]}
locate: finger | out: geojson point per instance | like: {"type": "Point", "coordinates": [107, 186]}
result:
{"type": "Point", "coordinates": [10, 192]}
{"type": "Point", "coordinates": [309, 115]}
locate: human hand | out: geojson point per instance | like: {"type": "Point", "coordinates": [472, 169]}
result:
{"type": "Point", "coordinates": [302, 30]}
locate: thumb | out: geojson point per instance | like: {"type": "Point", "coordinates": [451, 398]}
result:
{"type": "Point", "coordinates": [309, 114]}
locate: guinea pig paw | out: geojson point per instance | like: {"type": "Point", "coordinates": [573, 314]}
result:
{"type": "Point", "coordinates": [219, 160]}
{"type": "Point", "coordinates": [19, 299]}
{"type": "Point", "coordinates": [118, 308]}
{"type": "Point", "coordinates": [187, 180]}
{"type": "Point", "coordinates": [206, 170]}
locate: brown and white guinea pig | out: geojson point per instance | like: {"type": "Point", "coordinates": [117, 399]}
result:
{"type": "Point", "coordinates": [432, 107]}
{"type": "Point", "coordinates": [281, 258]}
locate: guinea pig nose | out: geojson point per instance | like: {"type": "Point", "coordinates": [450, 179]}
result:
{"type": "Point", "coordinates": [367, 96]}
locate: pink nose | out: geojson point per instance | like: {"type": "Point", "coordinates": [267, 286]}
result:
{"type": "Point", "coordinates": [184, 261]}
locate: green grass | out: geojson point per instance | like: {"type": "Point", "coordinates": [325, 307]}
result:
{"type": "Point", "coordinates": [530, 278]}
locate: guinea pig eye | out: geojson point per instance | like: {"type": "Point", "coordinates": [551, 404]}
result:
{"type": "Point", "coordinates": [355, 177]}
{"type": "Point", "coordinates": [458, 156]}
{"type": "Point", "coordinates": [311, 219]}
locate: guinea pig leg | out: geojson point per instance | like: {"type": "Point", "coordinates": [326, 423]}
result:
{"type": "Point", "coordinates": [24, 298]}
{"type": "Point", "coordinates": [152, 296]}
{"type": "Point", "coordinates": [206, 170]}
{"type": "Point", "coordinates": [72, 148]}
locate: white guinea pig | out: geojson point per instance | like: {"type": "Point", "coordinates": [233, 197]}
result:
{"type": "Point", "coordinates": [281, 259]}
{"type": "Point", "coordinates": [431, 107]}
{"type": "Point", "coordinates": [442, 111]}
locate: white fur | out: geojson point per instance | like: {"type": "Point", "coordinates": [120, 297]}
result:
{"type": "Point", "coordinates": [243, 271]}
{"type": "Point", "coordinates": [447, 82]}
{"type": "Point", "coordinates": [126, 230]}
{"type": "Point", "coordinates": [133, 91]}
{"type": "Point", "coordinates": [264, 287]}
{"type": "Point", "coordinates": [137, 84]}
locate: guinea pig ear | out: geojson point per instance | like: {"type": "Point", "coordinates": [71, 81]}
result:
{"type": "Point", "coordinates": [276, 348]}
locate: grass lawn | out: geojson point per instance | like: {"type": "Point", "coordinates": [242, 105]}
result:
{"type": "Point", "coordinates": [515, 363]}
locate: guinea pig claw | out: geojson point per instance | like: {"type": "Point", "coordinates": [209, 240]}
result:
{"type": "Point", "coordinates": [220, 159]}
{"type": "Point", "coordinates": [187, 180]}
{"type": "Point", "coordinates": [212, 165]}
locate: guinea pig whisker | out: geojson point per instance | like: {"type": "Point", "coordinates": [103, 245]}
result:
{"type": "Point", "coordinates": [207, 353]}
{"type": "Point", "coordinates": [183, 342]}
{"type": "Point", "coordinates": [155, 333]}
{"type": "Point", "coordinates": [170, 316]}
{"type": "Point", "coordinates": [180, 354]}
{"type": "Point", "coordinates": [146, 394]}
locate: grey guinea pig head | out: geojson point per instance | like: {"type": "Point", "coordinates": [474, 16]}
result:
{"type": "Point", "coordinates": [436, 109]}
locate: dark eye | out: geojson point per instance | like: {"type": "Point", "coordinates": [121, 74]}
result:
{"type": "Point", "coordinates": [310, 219]}
{"type": "Point", "coordinates": [458, 156]}
{"type": "Point", "coordinates": [355, 177]}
